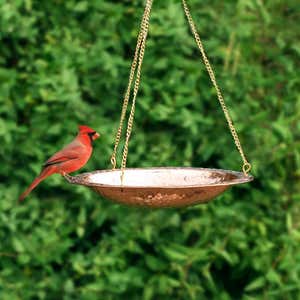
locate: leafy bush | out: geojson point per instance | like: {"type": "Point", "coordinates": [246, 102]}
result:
{"type": "Point", "coordinates": [64, 63]}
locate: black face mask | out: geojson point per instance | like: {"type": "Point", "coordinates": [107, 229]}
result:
{"type": "Point", "coordinates": [91, 134]}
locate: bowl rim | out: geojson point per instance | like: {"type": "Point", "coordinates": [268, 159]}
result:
{"type": "Point", "coordinates": [83, 178]}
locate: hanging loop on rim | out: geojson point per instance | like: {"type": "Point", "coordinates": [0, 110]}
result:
{"type": "Point", "coordinates": [246, 165]}
{"type": "Point", "coordinates": [246, 168]}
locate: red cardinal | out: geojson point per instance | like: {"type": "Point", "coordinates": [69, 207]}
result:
{"type": "Point", "coordinates": [70, 159]}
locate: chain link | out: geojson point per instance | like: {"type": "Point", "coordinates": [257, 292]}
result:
{"type": "Point", "coordinates": [246, 165]}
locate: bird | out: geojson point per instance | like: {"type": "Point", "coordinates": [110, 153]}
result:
{"type": "Point", "coordinates": [69, 159]}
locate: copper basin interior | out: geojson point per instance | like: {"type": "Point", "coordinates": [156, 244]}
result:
{"type": "Point", "coordinates": [161, 187]}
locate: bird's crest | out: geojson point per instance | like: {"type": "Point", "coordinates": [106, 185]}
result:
{"type": "Point", "coordinates": [85, 129]}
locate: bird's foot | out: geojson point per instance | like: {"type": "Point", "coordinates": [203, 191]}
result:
{"type": "Point", "coordinates": [67, 176]}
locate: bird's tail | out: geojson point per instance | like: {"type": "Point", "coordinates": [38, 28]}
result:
{"type": "Point", "coordinates": [44, 174]}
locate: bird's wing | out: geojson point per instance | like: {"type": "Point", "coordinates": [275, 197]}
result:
{"type": "Point", "coordinates": [70, 152]}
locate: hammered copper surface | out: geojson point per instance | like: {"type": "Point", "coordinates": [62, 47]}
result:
{"type": "Point", "coordinates": [161, 187]}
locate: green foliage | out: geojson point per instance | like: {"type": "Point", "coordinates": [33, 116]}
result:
{"type": "Point", "coordinates": [64, 63]}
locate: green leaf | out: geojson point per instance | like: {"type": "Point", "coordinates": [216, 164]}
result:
{"type": "Point", "coordinates": [256, 284]}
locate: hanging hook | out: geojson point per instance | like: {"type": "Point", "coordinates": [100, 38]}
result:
{"type": "Point", "coordinates": [246, 168]}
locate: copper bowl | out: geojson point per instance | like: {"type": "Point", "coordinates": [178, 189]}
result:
{"type": "Point", "coordinates": [161, 187]}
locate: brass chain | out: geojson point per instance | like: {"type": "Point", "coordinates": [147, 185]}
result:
{"type": "Point", "coordinates": [145, 28]}
{"type": "Point", "coordinates": [246, 165]}
{"type": "Point", "coordinates": [135, 72]}
{"type": "Point", "coordinates": [141, 35]}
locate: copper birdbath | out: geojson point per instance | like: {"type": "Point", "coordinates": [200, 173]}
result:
{"type": "Point", "coordinates": [160, 187]}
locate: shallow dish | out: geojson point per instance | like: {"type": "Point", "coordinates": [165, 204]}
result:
{"type": "Point", "coordinates": [161, 187]}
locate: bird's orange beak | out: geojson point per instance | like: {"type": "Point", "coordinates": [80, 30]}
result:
{"type": "Point", "coordinates": [96, 135]}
